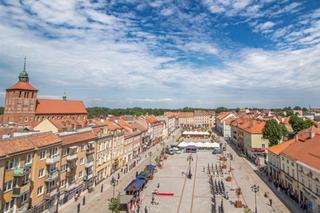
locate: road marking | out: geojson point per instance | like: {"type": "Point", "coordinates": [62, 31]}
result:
{"type": "Point", "coordinates": [194, 184]}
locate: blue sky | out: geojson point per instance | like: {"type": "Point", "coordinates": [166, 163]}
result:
{"type": "Point", "coordinates": [168, 53]}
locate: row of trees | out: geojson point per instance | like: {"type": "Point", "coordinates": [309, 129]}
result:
{"type": "Point", "coordinates": [275, 132]}
{"type": "Point", "coordinates": [137, 111]}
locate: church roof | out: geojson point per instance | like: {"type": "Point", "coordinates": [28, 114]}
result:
{"type": "Point", "coordinates": [51, 106]}
{"type": "Point", "coordinates": [22, 86]}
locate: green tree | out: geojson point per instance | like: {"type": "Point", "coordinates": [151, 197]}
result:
{"type": "Point", "coordinates": [307, 123]}
{"type": "Point", "coordinates": [221, 109]}
{"type": "Point", "coordinates": [284, 130]}
{"type": "Point", "coordinates": [1, 110]}
{"type": "Point", "coordinates": [114, 204]}
{"type": "Point", "coordinates": [273, 132]}
{"type": "Point", "coordinates": [299, 124]}
{"type": "Point", "coordinates": [297, 108]}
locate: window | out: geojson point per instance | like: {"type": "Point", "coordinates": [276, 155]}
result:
{"type": "Point", "coordinates": [81, 161]}
{"type": "Point", "coordinates": [318, 189]}
{"type": "Point", "coordinates": [8, 205]}
{"type": "Point", "coordinates": [82, 147]}
{"type": "Point", "coordinates": [63, 168]}
{"type": "Point", "coordinates": [42, 173]}
{"type": "Point", "coordinates": [8, 186]}
{"type": "Point", "coordinates": [53, 151]}
{"type": "Point", "coordinates": [29, 159]}
{"type": "Point", "coordinates": [65, 151]}
{"type": "Point", "coordinates": [80, 174]}
{"type": "Point", "coordinates": [16, 163]}
{"type": "Point", "coordinates": [24, 197]}
{"type": "Point", "coordinates": [63, 183]}
{"type": "Point", "coordinates": [40, 190]}
{"type": "Point", "coordinates": [25, 178]}
{"type": "Point", "coordinates": [43, 155]}
{"type": "Point", "coordinates": [9, 164]}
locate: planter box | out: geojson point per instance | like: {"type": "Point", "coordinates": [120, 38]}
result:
{"type": "Point", "coordinates": [238, 204]}
{"type": "Point", "coordinates": [228, 179]}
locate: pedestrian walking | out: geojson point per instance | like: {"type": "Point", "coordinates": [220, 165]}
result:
{"type": "Point", "coordinates": [101, 188]}
{"type": "Point", "coordinates": [78, 207]}
{"type": "Point", "coordinates": [270, 202]}
{"type": "Point", "coordinates": [152, 199]}
{"type": "Point", "coordinates": [118, 176]}
{"type": "Point", "coordinates": [145, 209]}
{"type": "Point", "coordinates": [84, 200]}
{"type": "Point", "coordinates": [158, 186]}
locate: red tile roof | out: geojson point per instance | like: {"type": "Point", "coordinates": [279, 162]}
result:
{"type": "Point", "coordinates": [307, 152]}
{"type": "Point", "coordinates": [277, 149]}
{"type": "Point", "coordinates": [29, 142]}
{"type": "Point", "coordinates": [78, 137]}
{"type": "Point", "coordinates": [22, 86]}
{"type": "Point", "coordinates": [50, 106]}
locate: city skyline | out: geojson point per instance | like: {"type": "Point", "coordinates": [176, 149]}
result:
{"type": "Point", "coordinates": [165, 54]}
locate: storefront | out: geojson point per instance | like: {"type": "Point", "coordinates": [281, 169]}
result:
{"type": "Point", "coordinates": [71, 193]}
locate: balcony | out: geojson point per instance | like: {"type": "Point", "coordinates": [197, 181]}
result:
{"type": "Point", "coordinates": [53, 159]}
{"type": "Point", "coordinates": [88, 177]}
{"type": "Point", "coordinates": [90, 148]}
{"type": "Point", "coordinates": [50, 193]}
{"type": "Point", "coordinates": [19, 190]}
{"type": "Point", "coordinates": [52, 176]}
{"type": "Point", "coordinates": [19, 172]}
{"type": "Point", "coordinates": [89, 164]}
{"type": "Point", "coordinates": [72, 157]}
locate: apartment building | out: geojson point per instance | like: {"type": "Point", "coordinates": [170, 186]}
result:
{"type": "Point", "coordinates": [29, 174]}
{"type": "Point", "coordinates": [221, 125]}
{"type": "Point", "coordinates": [77, 163]}
{"type": "Point", "coordinates": [299, 170]}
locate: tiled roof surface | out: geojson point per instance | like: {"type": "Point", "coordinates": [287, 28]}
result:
{"type": "Point", "coordinates": [78, 137]}
{"type": "Point", "coordinates": [24, 143]}
{"type": "Point", "coordinates": [307, 152]}
{"type": "Point", "coordinates": [277, 149]}
{"type": "Point", "coordinates": [22, 86]}
{"type": "Point", "coordinates": [51, 106]}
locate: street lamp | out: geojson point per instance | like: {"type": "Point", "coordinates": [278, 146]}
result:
{"type": "Point", "coordinates": [113, 183]}
{"type": "Point", "coordinates": [255, 189]}
{"type": "Point", "coordinates": [189, 159]}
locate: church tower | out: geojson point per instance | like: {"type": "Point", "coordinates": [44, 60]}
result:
{"type": "Point", "coordinates": [20, 100]}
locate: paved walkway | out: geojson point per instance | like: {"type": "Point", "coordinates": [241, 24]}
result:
{"type": "Point", "coordinates": [98, 202]}
{"type": "Point", "coordinates": [244, 169]}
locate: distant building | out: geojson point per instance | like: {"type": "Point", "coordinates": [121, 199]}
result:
{"type": "Point", "coordinates": [23, 107]}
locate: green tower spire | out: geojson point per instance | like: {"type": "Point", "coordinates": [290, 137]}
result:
{"type": "Point", "coordinates": [23, 76]}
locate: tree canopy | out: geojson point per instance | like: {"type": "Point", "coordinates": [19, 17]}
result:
{"type": "Point", "coordinates": [1, 110]}
{"type": "Point", "coordinates": [221, 109]}
{"type": "Point", "coordinates": [299, 124]}
{"type": "Point", "coordinates": [274, 132]}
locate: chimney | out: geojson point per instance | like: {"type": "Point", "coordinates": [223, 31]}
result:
{"type": "Point", "coordinates": [312, 134]}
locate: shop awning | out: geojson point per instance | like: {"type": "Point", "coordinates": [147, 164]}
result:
{"type": "Point", "coordinates": [135, 185]}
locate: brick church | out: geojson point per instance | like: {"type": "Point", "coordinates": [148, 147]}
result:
{"type": "Point", "coordinates": [22, 106]}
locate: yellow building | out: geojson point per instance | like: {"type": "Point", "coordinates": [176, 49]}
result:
{"type": "Point", "coordinates": [29, 177]}
{"type": "Point", "coordinates": [77, 163]}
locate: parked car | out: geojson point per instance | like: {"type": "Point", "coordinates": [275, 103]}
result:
{"type": "Point", "coordinates": [170, 151]}
{"type": "Point", "coordinates": [215, 151]}
{"type": "Point", "coordinates": [178, 151]}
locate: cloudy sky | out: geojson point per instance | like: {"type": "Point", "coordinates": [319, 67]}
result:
{"type": "Point", "coordinates": [167, 53]}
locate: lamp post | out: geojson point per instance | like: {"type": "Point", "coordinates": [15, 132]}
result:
{"type": "Point", "coordinates": [189, 159]}
{"type": "Point", "coordinates": [113, 183]}
{"type": "Point", "coordinates": [255, 189]}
